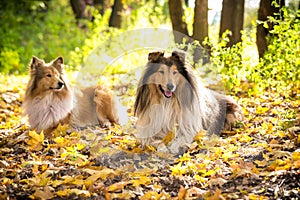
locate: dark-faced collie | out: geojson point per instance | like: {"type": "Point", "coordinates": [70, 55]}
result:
{"type": "Point", "coordinates": [170, 98]}
{"type": "Point", "coordinates": [49, 100]}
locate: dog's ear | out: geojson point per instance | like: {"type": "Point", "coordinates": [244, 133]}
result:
{"type": "Point", "coordinates": [179, 55]}
{"type": "Point", "coordinates": [58, 64]}
{"type": "Point", "coordinates": [154, 56]}
{"type": "Point", "coordinates": [35, 63]}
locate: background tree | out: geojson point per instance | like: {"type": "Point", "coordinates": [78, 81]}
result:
{"type": "Point", "coordinates": [178, 24]}
{"type": "Point", "coordinates": [266, 9]}
{"type": "Point", "coordinates": [200, 25]}
{"type": "Point", "coordinates": [115, 19]}
{"type": "Point", "coordinates": [232, 19]}
{"type": "Point", "coordinates": [78, 7]}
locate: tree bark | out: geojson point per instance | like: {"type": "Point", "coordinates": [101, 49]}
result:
{"type": "Point", "coordinates": [200, 30]}
{"type": "Point", "coordinates": [176, 14]}
{"type": "Point", "coordinates": [232, 19]}
{"type": "Point", "coordinates": [100, 5]}
{"type": "Point", "coordinates": [78, 7]}
{"type": "Point", "coordinates": [115, 19]}
{"type": "Point", "coordinates": [266, 8]}
{"type": "Point", "coordinates": [200, 26]}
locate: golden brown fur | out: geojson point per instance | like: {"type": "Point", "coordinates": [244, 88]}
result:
{"type": "Point", "coordinates": [49, 101]}
{"type": "Point", "coordinates": [170, 98]}
{"type": "Point", "coordinates": [105, 106]}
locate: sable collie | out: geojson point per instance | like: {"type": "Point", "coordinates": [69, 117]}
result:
{"type": "Point", "coordinates": [49, 100]}
{"type": "Point", "coordinates": [170, 98]}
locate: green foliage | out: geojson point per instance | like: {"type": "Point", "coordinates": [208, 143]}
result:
{"type": "Point", "coordinates": [279, 69]}
{"type": "Point", "coordinates": [233, 63]}
{"type": "Point", "coordinates": [41, 28]}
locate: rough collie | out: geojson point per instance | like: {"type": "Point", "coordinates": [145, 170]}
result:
{"type": "Point", "coordinates": [50, 101]}
{"type": "Point", "coordinates": [170, 98]}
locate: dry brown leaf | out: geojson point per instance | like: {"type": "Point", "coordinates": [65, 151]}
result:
{"type": "Point", "coordinates": [181, 193]}
{"type": "Point", "coordinates": [43, 194]}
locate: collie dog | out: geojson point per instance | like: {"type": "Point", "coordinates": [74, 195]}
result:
{"type": "Point", "coordinates": [171, 98]}
{"type": "Point", "coordinates": [50, 101]}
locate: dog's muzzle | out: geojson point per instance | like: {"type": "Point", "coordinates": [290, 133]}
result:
{"type": "Point", "coordinates": [170, 89]}
{"type": "Point", "coordinates": [59, 87]}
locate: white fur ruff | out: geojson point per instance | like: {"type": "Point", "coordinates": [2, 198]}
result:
{"type": "Point", "coordinates": [46, 112]}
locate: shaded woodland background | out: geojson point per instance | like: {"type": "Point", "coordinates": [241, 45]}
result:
{"type": "Point", "coordinates": [75, 28]}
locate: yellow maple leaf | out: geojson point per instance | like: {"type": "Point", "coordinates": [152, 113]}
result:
{"type": "Point", "coordinates": [245, 138]}
{"type": "Point", "coordinates": [36, 140]}
{"type": "Point", "coordinates": [96, 174]}
{"type": "Point", "coordinates": [296, 156]}
{"type": "Point", "coordinates": [68, 192]}
{"type": "Point", "coordinates": [61, 130]}
{"type": "Point", "coordinates": [143, 180]}
{"type": "Point", "coordinates": [119, 186]}
{"type": "Point", "coordinates": [261, 110]}
{"type": "Point", "coordinates": [168, 138]}
{"type": "Point", "coordinates": [60, 141]}
{"type": "Point", "coordinates": [178, 169]}
{"type": "Point", "coordinates": [200, 135]}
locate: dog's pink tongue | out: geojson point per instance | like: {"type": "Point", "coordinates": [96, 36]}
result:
{"type": "Point", "coordinates": [168, 93]}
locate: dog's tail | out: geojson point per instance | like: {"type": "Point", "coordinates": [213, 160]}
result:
{"type": "Point", "coordinates": [233, 111]}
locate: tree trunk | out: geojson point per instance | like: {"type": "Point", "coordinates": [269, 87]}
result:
{"type": "Point", "coordinates": [179, 26]}
{"type": "Point", "coordinates": [232, 19]}
{"type": "Point", "coordinates": [200, 26]}
{"type": "Point", "coordinates": [266, 8]}
{"type": "Point", "coordinates": [78, 7]}
{"type": "Point", "coordinates": [200, 30]}
{"type": "Point", "coordinates": [115, 19]}
{"type": "Point", "coordinates": [100, 5]}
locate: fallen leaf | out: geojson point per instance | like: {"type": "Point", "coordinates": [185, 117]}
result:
{"type": "Point", "coordinates": [43, 194]}
{"type": "Point", "coordinates": [181, 193]}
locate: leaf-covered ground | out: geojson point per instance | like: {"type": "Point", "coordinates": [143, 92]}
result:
{"type": "Point", "coordinates": [260, 159]}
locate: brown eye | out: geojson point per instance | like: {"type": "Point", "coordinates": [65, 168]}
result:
{"type": "Point", "coordinates": [49, 75]}
{"type": "Point", "coordinates": [161, 72]}
{"type": "Point", "coordinates": [175, 72]}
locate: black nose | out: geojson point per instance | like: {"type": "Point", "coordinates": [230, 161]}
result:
{"type": "Point", "coordinates": [60, 84]}
{"type": "Point", "coordinates": [170, 86]}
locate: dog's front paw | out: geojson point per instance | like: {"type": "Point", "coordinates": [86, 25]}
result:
{"type": "Point", "coordinates": [106, 124]}
{"type": "Point", "coordinates": [178, 148]}
{"type": "Point", "coordinates": [162, 148]}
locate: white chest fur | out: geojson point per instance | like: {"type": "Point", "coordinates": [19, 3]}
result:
{"type": "Point", "coordinates": [46, 112]}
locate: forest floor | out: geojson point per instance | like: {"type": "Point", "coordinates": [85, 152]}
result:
{"type": "Point", "coordinates": [260, 159]}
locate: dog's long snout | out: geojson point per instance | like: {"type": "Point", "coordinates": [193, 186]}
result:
{"type": "Point", "coordinates": [170, 86]}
